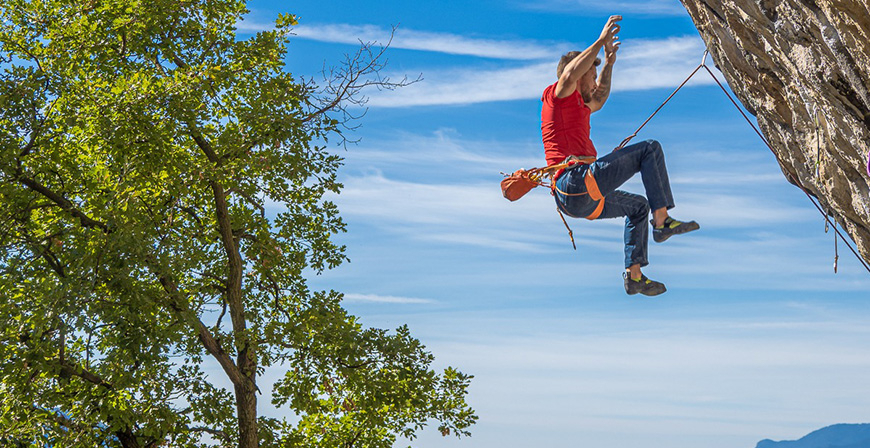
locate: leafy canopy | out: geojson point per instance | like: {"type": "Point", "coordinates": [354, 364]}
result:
{"type": "Point", "coordinates": [144, 147]}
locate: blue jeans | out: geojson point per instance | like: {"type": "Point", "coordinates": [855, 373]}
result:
{"type": "Point", "coordinates": [610, 172]}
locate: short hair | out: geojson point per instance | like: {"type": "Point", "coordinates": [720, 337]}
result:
{"type": "Point", "coordinates": [568, 57]}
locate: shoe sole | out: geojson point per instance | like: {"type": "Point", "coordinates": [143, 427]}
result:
{"type": "Point", "coordinates": [631, 293]}
{"type": "Point", "coordinates": [686, 230]}
{"type": "Point", "coordinates": [656, 294]}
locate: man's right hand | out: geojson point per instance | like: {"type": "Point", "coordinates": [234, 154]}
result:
{"type": "Point", "coordinates": [609, 33]}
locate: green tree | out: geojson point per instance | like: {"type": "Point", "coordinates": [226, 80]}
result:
{"type": "Point", "coordinates": [140, 144]}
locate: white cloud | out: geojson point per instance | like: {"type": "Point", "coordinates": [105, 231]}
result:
{"type": "Point", "coordinates": [249, 26]}
{"type": "Point", "coordinates": [653, 369]}
{"type": "Point", "coordinates": [444, 148]}
{"type": "Point", "coordinates": [466, 214]}
{"type": "Point", "coordinates": [430, 41]}
{"type": "Point", "coordinates": [625, 7]}
{"type": "Point", "coordinates": [353, 297]}
{"type": "Point", "coordinates": [455, 199]}
{"type": "Point", "coordinates": [647, 64]}
{"type": "Point", "coordinates": [409, 39]}
{"type": "Point", "coordinates": [476, 215]}
{"type": "Point", "coordinates": [642, 65]}
{"type": "Point", "coordinates": [709, 178]}
{"type": "Point", "coordinates": [468, 86]}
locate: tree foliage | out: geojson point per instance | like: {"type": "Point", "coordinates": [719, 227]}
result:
{"type": "Point", "coordinates": [141, 144]}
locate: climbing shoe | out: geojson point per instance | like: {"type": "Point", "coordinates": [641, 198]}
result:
{"type": "Point", "coordinates": [644, 286]}
{"type": "Point", "coordinates": [672, 227]}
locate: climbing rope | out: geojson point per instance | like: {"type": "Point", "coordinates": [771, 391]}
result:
{"type": "Point", "coordinates": [818, 118]}
{"type": "Point", "coordinates": [809, 195]}
{"type": "Point", "coordinates": [628, 139]}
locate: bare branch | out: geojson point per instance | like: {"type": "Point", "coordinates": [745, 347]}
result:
{"type": "Point", "coordinates": [343, 86]}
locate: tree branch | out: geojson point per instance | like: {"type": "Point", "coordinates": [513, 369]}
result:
{"type": "Point", "coordinates": [352, 441]}
{"type": "Point", "coordinates": [364, 62]}
{"type": "Point", "coordinates": [234, 263]}
{"type": "Point", "coordinates": [215, 432]}
{"type": "Point", "coordinates": [46, 254]}
{"type": "Point", "coordinates": [67, 369]}
{"type": "Point", "coordinates": [205, 146]}
{"type": "Point", "coordinates": [63, 203]}
{"type": "Point", "coordinates": [208, 341]}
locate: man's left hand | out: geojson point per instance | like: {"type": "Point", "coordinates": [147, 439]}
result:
{"type": "Point", "coordinates": [610, 53]}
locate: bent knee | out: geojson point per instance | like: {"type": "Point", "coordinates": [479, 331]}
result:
{"type": "Point", "coordinates": [654, 145]}
{"type": "Point", "coordinates": [640, 207]}
{"type": "Point", "coordinates": [644, 209]}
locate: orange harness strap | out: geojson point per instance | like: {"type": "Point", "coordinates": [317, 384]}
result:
{"type": "Point", "coordinates": [591, 189]}
{"type": "Point", "coordinates": [594, 194]}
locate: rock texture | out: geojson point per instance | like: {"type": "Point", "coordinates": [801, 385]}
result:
{"type": "Point", "coordinates": [802, 67]}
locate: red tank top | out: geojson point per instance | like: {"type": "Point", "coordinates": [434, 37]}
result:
{"type": "Point", "coordinates": [565, 127]}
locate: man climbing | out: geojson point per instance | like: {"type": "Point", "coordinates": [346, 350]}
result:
{"type": "Point", "coordinates": [589, 190]}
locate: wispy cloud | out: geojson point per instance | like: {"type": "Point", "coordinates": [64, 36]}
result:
{"type": "Point", "coordinates": [463, 214]}
{"type": "Point", "coordinates": [430, 41]}
{"type": "Point", "coordinates": [409, 39]}
{"type": "Point", "coordinates": [468, 86]}
{"type": "Point", "coordinates": [475, 215]}
{"type": "Point", "coordinates": [445, 148]}
{"type": "Point", "coordinates": [453, 200]}
{"type": "Point", "coordinates": [642, 65]}
{"type": "Point", "coordinates": [374, 298]}
{"type": "Point", "coordinates": [463, 204]}
{"type": "Point", "coordinates": [656, 369]}
{"type": "Point", "coordinates": [588, 7]}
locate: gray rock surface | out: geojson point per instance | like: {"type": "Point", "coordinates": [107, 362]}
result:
{"type": "Point", "coordinates": [802, 67]}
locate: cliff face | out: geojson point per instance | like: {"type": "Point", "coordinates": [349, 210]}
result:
{"type": "Point", "coordinates": [802, 67]}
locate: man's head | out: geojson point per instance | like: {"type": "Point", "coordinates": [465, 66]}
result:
{"type": "Point", "coordinates": [586, 82]}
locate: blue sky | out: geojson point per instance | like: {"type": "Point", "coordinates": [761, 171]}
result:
{"type": "Point", "coordinates": [756, 337]}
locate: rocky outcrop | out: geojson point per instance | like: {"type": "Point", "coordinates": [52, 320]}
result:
{"type": "Point", "coordinates": [802, 67]}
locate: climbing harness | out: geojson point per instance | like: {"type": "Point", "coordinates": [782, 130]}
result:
{"type": "Point", "coordinates": [516, 185]}
{"type": "Point", "coordinates": [555, 168]}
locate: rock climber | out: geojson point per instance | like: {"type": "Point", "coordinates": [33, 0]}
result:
{"type": "Point", "coordinates": [565, 129]}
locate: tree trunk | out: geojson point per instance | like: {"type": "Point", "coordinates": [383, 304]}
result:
{"type": "Point", "coordinates": [246, 407]}
{"type": "Point", "coordinates": [127, 439]}
{"type": "Point", "coordinates": [246, 403]}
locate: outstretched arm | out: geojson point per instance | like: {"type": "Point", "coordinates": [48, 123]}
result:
{"type": "Point", "coordinates": [602, 88]}
{"type": "Point", "coordinates": [583, 62]}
